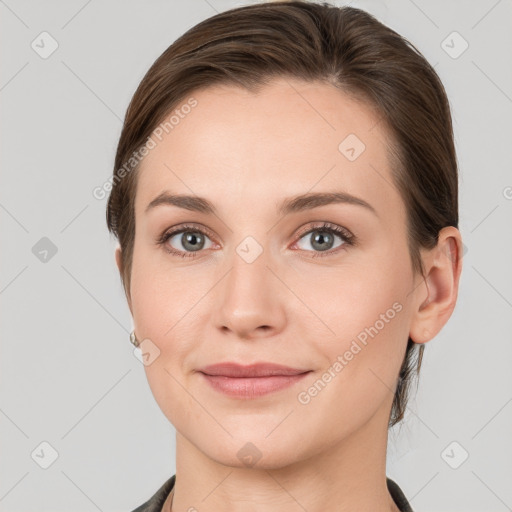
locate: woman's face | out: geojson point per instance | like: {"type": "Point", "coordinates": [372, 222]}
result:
{"type": "Point", "coordinates": [259, 279]}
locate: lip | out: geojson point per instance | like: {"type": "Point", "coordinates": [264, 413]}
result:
{"type": "Point", "coordinates": [251, 381]}
{"type": "Point", "coordinates": [231, 369]}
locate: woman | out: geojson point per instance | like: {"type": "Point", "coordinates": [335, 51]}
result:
{"type": "Point", "coordinates": [260, 136]}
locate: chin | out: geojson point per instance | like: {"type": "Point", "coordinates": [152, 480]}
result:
{"type": "Point", "coordinates": [253, 451]}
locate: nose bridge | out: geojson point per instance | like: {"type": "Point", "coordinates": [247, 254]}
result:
{"type": "Point", "coordinates": [248, 279]}
{"type": "Point", "coordinates": [250, 297]}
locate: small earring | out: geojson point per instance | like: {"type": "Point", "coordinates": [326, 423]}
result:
{"type": "Point", "coordinates": [133, 339]}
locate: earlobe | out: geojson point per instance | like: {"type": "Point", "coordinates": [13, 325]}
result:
{"type": "Point", "coordinates": [443, 266]}
{"type": "Point", "coordinates": [119, 260]}
{"type": "Point", "coordinates": [119, 263]}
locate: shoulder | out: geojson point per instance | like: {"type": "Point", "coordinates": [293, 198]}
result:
{"type": "Point", "coordinates": [155, 503]}
{"type": "Point", "coordinates": [398, 496]}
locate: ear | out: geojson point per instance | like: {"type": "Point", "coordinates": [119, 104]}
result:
{"type": "Point", "coordinates": [443, 265]}
{"type": "Point", "coordinates": [119, 263]}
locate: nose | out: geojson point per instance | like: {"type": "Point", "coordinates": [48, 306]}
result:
{"type": "Point", "coordinates": [250, 299]}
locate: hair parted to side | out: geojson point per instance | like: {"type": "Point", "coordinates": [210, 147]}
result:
{"type": "Point", "coordinates": [342, 46]}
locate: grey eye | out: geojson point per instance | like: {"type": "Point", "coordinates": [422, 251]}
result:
{"type": "Point", "coordinates": [321, 239]}
{"type": "Point", "coordinates": [191, 241]}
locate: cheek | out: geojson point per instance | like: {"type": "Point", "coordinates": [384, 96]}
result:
{"type": "Point", "coordinates": [344, 301]}
{"type": "Point", "coordinates": [163, 312]}
{"type": "Point", "coordinates": [157, 292]}
{"type": "Point", "coordinates": [169, 308]}
{"type": "Point", "coordinates": [363, 357]}
{"type": "Point", "coordinates": [360, 315]}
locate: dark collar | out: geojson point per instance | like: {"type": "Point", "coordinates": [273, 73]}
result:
{"type": "Point", "coordinates": [156, 502]}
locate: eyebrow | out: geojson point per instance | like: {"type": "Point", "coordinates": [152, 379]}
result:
{"type": "Point", "coordinates": [292, 205]}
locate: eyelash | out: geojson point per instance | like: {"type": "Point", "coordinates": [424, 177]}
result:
{"type": "Point", "coordinates": [347, 237]}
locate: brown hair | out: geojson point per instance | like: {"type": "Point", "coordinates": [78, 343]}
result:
{"type": "Point", "coordinates": [342, 46]}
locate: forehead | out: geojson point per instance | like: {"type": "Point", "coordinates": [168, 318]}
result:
{"type": "Point", "coordinates": [289, 138]}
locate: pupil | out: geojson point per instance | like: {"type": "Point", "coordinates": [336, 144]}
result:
{"type": "Point", "coordinates": [320, 239]}
{"type": "Point", "coordinates": [191, 238]}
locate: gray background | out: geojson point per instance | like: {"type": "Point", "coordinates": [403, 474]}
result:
{"type": "Point", "coordinates": [68, 373]}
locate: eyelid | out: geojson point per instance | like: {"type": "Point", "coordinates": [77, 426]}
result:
{"type": "Point", "coordinates": [325, 225]}
{"type": "Point", "coordinates": [180, 228]}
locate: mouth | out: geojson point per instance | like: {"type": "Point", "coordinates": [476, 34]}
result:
{"type": "Point", "coordinates": [251, 381]}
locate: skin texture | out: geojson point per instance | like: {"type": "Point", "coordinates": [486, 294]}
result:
{"type": "Point", "coordinates": [246, 153]}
